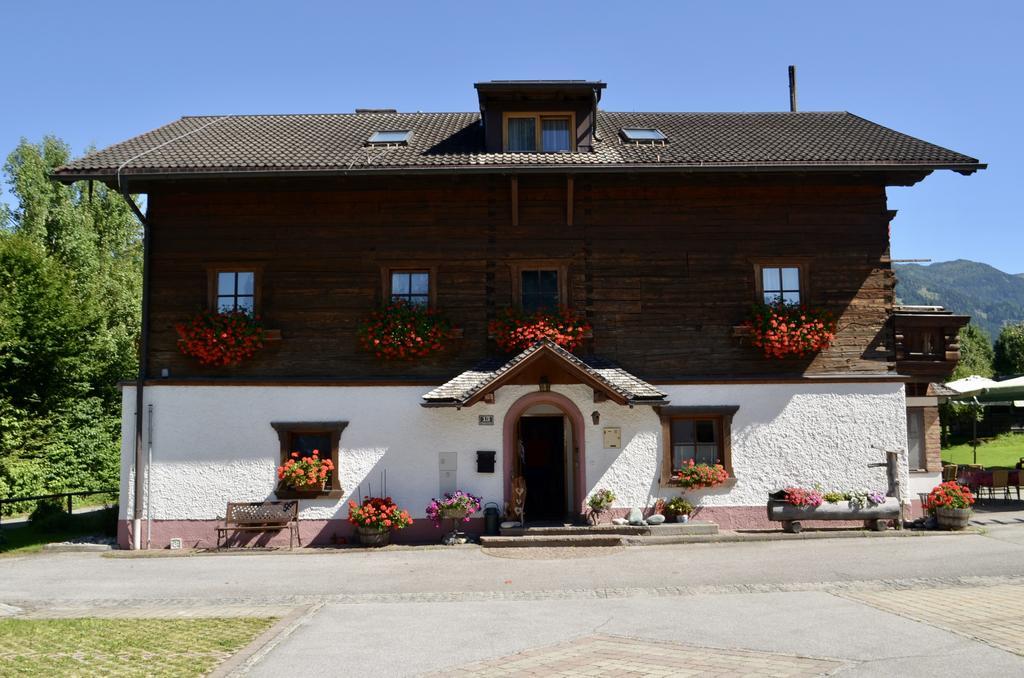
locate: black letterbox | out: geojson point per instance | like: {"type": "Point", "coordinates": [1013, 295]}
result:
{"type": "Point", "coordinates": [484, 461]}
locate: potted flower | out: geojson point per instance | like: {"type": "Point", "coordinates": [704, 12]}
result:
{"type": "Point", "coordinates": [695, 476]}
{"type": "Point", "coordinates": [678, 508]}
{"type": "Point", "coordinates": [457, 507]}
{"type": "Point", "coordinates": [781, 329]}
{"type": "Point", "coordinates": [516, 331]}
{"type": "Point", "coordinates": [950, 503]}
{"type": "Point", "coordinates": [221, 338]}
{"type": "Point", "coordinates": [375, 518]}
{"type": "Point", "coordinates": [305, 474]}
{"type": "Point", "coordinates": [404, 331]}
{"type": "Point", "coordinates": [599, 502]}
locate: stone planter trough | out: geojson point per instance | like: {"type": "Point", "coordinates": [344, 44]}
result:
{"type": "Point", "coordinates": [874, 517]}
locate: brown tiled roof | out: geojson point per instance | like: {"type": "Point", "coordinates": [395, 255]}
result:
{"type": "Point", "coordinates": [462, 388]}
{"type": "Point", "coordinates": [336, 143]}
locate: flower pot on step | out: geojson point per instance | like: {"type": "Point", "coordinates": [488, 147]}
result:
{"type": "Point", "coordinates": [371, 536]}
{"type": "Point", "coordinates": [953, 518]}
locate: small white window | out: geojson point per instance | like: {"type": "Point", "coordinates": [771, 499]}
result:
{"type": "Point", "coordinates": [411, 286]}
{"type": "Point", "coordinates": [389, 138]}
{"type": "Point", "coordinates": [643, 135]}
{"type": "Point", "coordinates": [236, 291]}
{"type": "Point", "coordinates": [780, 284]}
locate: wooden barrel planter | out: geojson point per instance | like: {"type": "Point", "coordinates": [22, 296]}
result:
{"type": "Point", "coordinates": [875, 517]}
{"type": "Point", "coordinates": [369, 536]}
{"type": "Point", "coordinates": [953, 518]}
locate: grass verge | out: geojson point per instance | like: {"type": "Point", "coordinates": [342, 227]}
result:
{"type": "Point", "coordinates": [122, 647]}
{"type": "Point", "coordinates": [1003, 451]}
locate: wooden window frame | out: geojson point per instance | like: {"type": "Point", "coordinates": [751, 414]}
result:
{"type": "Point", "coordinates": [722, 415]}
{"type": "Point", "coordinates": [408, 267]}
{"type": "Point", "coordinates": [285, 429]}
{"type": "Point", "coordinates": [538, 116]}
{"type": "Point", "coordinates": [800, 263]}
{"type": "Point", "coordinates": [559, 266]}
{"type": "Point", "coordinates": [214, 269]}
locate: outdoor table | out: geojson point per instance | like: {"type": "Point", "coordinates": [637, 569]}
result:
{"type": "Point", "coordinates": [975, 478]}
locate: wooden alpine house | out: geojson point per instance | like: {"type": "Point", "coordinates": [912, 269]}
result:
{"type": "Point", "coordinates": [541, 292]}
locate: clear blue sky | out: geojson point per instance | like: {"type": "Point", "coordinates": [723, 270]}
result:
{"type": "Point", "coordinates": [948, 72]}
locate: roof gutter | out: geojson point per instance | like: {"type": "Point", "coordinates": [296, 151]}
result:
{"type": "Point", "coordinates": [962, 168]}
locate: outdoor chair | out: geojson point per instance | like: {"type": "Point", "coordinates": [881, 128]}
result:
{"type": "Point", "coordinates": [949, 472]}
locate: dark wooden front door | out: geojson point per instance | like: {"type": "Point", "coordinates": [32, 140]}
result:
{"type": "Point", "coordinates": [543, 467]}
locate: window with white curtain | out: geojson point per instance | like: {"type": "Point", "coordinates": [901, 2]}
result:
{"type": "Point", "coordinates": [522, 134]}
{"type": "Point", "coordinates": [535, 132]}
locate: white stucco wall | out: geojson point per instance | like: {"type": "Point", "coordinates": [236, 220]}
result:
{"type": "Point", "coordinates": [212, 444]}
{"type": "Point", "coordinates": [922, 483]}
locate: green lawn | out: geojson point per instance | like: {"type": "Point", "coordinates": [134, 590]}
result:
{"type": "Point", "coordinates": [31, 537]}
{"type": "Point", "coordinates": [122, 647]}
{"type": "Point", "coordinates": [1004, 451]}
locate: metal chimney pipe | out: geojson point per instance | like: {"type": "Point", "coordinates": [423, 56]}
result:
{"type": "Point", "coordinates": [792, 89]}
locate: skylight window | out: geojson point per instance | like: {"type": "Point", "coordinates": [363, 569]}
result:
{"type": "Point", "coordinates": [644, 135]}
{"type": "Point", "coordinates": [389, 137]}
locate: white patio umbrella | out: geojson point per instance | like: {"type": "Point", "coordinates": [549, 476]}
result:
{"type": "Point", "coordinates": [970, 385]}
{"type": "Point", "coordinates": [982, 391]}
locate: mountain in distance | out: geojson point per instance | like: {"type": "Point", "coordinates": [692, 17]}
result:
{"type": "Point", "coordinates": [992, 298]}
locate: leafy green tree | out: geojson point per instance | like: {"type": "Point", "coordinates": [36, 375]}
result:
{"type": "Point", "coordinates": [70, 284]}
{"type": "Point", "coordinates": [976, 357]}
{"type": "Point", "coordinates": [976, 353]}
{"type": "Point", "coordinates": [1009, 352]}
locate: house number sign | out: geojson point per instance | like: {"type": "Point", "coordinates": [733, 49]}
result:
{"type": "Point", "coordinates": [486, 420]}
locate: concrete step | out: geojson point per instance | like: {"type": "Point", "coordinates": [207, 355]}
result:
{"type": "Point", "coordinates": [571, 530]}
{"type": "Point", "coordinates": [598, 535]}
{"type": "Point", "coordinates": [552, 540]}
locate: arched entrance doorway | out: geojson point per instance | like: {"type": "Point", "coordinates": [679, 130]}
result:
{"type": "Point", "coordinates": [544, 442]}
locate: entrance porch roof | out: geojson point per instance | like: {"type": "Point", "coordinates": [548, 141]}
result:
{"type": "Point", "coordinates": [545, 356]}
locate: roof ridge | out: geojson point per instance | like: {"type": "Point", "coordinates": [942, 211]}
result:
{"type": "Point", "coordinates": [781, 113]}
{"type": "Point", "coordinates": [310, 115]}
{"type": "Point", "coordinates": [477, 113]}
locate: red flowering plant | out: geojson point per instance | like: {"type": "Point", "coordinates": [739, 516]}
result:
{"type": "Point", "coordinates": [951, 495]}
{"type": "Point", "coordinates": [516, 331]}
{"type": "Point", "coordinates": [222, 338]}
{"type": "Point", "coordinates": [803, 497]}
{"type": "Point", "coordinates": [305, 473]}
{"type": "Point", "coordinates": [782, 330]}
{"type": "Point", "coordinates": [697, 476]}
{"type": "Point", "coordinates": [378, 513]}
{"type": "Point", "coordinates": [404, 331]}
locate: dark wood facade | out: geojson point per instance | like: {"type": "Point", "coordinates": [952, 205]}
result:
{"type": "Point", "coordinates": [663, 265]}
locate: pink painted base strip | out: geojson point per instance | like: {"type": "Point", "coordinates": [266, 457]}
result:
{"type": "Point", "coordinates": [203, 534]}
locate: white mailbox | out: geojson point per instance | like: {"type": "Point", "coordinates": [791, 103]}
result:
{"type": "Point", "coordinates": [612, 437]}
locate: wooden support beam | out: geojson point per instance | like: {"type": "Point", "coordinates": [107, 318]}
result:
{"type": "Point", "coordinates": [568, 200]}
{"type": "Point", "coordinates": [515, 201]}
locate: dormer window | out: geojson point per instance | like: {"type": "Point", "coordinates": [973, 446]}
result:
{"type": "Point", "coordinates": [398, 137]}
{"type": "Point", "coordinates": [539, 132]}
{"type": "Point", "coordinates": [643, 135]}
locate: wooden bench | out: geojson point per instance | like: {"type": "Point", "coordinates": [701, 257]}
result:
{"type": "Point", "coordinates": [261, 516]}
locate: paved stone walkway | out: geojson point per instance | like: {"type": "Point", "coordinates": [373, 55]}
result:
{"type": "Point", "coordinates": [73, 607]}
{"type": "Point", "coordinates": [990, 614]}
{"type": "Point", "coordinates": [603, 655]}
